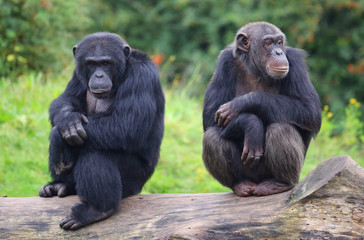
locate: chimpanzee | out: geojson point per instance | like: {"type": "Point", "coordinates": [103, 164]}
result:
{"type": "Point", "coordinates": [107, 128]}
{"type": "Point", "coordinates": [260, 113]}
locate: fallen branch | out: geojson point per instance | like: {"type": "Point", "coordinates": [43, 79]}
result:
{"type": "Point", "coordinates": [327, 204]}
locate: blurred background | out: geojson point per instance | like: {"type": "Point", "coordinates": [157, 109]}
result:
{"type": "Point", "coordinates": [184, 38]}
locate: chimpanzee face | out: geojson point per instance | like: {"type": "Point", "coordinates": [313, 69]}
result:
{"type": "Point", "coordinates": [276, 64]}
{"type": "Point", "coordinates": [101, 60]}
{"type": "Point", "coordinates": [265, 49]}
{"type": "Point", "coordinates": [100, 69]}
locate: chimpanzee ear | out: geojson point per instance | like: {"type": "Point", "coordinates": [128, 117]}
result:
{"type": "Point", "coordinates": [74, 50]}
{"type": "Point", "coordinates": [243, 42]}
{"type": "Point", "coordinates": [127, 51]}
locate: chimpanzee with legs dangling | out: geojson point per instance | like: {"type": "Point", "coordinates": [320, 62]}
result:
{"type": "Point", "coordinates": [107, 128]}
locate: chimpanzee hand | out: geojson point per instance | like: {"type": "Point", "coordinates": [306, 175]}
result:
{"type": "Point", "coordinates": [253, 148]}
{"type": "Point", "coordinates": [73, 132]}
{"type": "Point", "coordinates": [251, 154]}
{"type": "Point", "coordinates": [225, 113]}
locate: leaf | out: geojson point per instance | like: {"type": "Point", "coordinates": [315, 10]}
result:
{"type": "Point", "coordinates": [10, 58]}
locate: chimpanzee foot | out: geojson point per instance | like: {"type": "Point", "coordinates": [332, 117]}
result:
{"type": "Point", "coordinates": [54, 189]}
{"type": "Point", "coordinates": [270, 187]}
{"type": "Point", "coordinates": [83, 214]}
{"type": "Point", "coordinates": [244, 188]}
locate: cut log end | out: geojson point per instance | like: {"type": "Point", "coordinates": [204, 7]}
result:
{"type": "Point", "coordinates": [327, 203]}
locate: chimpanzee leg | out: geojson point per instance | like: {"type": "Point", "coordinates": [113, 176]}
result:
{"type": "Point", "coordinates": [135, 171]}
{"type": "Point", "coordinates": [222, 153]}
{"type": "Point", "coordinates": [284, 156]}
{"type": "Point", "coordinates": [219, 156]}
{"type": "Point", "coordinates": [98, 184]}
{"type": "Point", "coordinates": [61, 160]}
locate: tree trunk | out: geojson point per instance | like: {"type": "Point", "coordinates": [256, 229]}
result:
{"type": "Point", "coordinates": [327, 204]}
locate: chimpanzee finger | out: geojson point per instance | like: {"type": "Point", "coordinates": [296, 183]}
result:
{"type": "Point", "coordinates": [65, 134]}
{"type": "Point", "coordinates": [67, 137]}
{"type": "Point", "coordinates": [217, 115]}
{"type": "Point", "coordinates": [80, 130]}
{"type": "Point", "coordinates": [255, 161]}
{"type": "Point", "coordinates": [76, 139]}
{"type": "Point", "coordinates": [221, 120]}
{"type": "Point", "coordinates": [220, 111]}
{"type": "Point", "coordinates": [84, 118]}
{"type": "Point", "coordinates": [249, 160]}
{"type": "Point", "coordinates": [227, 120]}
{"type": "Point", "coordinates": [244, 154]}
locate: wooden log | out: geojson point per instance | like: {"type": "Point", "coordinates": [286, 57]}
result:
{"type": "Point", "coordinates": [327, 204]}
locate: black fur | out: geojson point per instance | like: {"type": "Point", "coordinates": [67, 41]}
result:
{"type": "Point", "coordinates": [123, 141]}
{"type": "Point", "coordinates": [290, 101]}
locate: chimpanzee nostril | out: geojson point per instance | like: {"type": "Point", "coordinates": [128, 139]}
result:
{"type": "Point", "coordinates": [99, 74]}
{"type": "Point", "coordinates": [279, 51]}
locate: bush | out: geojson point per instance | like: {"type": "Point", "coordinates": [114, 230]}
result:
{"type": "Point", "coordinates": [34, 34]}
{"type": "Point", "coordinates": [338, 138]}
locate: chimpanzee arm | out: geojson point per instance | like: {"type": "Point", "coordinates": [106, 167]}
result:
{"type": "Point", "coordinates": [221, 88]}
{"type": "Point", "coordinates": [136, 117]}
{"type": "Point", "coordinates": [68, 101]}
{"type": "Point", "coordinates": [297, 103]}
{"type": "Point", "coordinates": [67, 112]}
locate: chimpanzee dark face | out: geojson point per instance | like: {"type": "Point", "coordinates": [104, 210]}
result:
{"type": "Point", "coordinates": [101, 60]}
{"type": "Point", "coordinates": [265, 50]}
{"type": "Point", "coordinates": [100, 69]}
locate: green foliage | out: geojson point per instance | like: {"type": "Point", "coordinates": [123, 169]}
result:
{"type": "Point", "coordinates": [337, 53]}
{"type": "Point", "coordinates": [24, 130]}
{"type": "Point", "coordinates": [338, 138]}
{"type": "Point", "coordinates": [34, 34]}
{"type": "Point", "coordinates": [37, 35]}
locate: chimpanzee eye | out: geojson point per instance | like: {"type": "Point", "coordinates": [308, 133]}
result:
{"type": "Point", "coordinates": [268, 42]}
{"type": "Point", "coordinates": [105, 63]}
{"type": "Point", "coordinates": [280, 42]}
{"type": "Point", "coordinates": [90, 63]}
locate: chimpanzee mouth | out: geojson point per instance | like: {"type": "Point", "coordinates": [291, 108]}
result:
{"type": "Point", "coordinates": [277, 72]}
{"type": "Point", "coordinates": [280, 70]}
{"type": "Point", "coordinates": [100, 93]}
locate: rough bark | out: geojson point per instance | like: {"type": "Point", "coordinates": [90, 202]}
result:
{"type": "Point", "coordinates": [327, 204]}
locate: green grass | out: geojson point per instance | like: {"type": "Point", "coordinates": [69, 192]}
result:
{"type": "Point", "coordinates": [24, 130]}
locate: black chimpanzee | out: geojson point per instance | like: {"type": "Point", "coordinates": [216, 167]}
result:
{"type": "Point", "coordinates": [107, 128]}
{"type": "Point", "coordinates": [260, 113]}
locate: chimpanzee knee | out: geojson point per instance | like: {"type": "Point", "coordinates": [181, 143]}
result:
{"type": "Point", "coordinates": [98, 180]}
{"type": "Point", "coordinates": [62, 157]}
{"type": "Point", "coordinates": [284, 152]}
{"type": "Point", "coordinates": [219, 156]}
{"type": "Point", "coordinates": [133, 181]}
